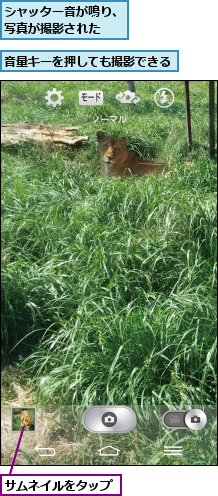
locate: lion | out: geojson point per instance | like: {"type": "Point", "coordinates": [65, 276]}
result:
{"type": "Point", "coordinates": [26, 420]}
{"type": "Point", "coordinates": [117, 160]}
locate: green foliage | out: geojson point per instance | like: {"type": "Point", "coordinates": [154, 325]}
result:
{"type": "Point", "coordinates": [108, 286]}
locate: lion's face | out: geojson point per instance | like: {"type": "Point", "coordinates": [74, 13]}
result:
{"type": "Point", "coordinates": [28, 424]}
{"type": "Point", "coordinates": [111, 149]}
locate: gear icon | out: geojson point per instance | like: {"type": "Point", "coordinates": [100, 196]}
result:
{"type": "Point", "coordinates": [54, 92]}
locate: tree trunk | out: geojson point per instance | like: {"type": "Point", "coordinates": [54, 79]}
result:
{"type": "Point", "coordinates": [130, 86]}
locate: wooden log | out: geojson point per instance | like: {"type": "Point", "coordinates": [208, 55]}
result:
{"type": "Point", "coordinates": [25, 131]}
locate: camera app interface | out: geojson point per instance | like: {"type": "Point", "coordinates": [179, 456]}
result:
{"type": "Point", "coordinates": [108, 273]}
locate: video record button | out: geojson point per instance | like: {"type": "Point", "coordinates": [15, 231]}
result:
{"type": "Point", "coordinates": [109, 419]}
{"type": "Point", "coordinates": [175, 419]}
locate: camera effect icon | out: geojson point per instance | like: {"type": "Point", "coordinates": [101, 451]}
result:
{"type": "Point", "coordinates": [195, 420]}
{"type": "Point", "coordinates": [109, 419]}
{"type": "Point", "coordinates": [128, 97]}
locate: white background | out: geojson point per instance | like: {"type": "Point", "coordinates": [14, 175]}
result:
{"type": "Point", "coordinates": [114, 487]}
{"type": "Point", "coordinates": [144, 481]}
{"type": "Point", "coordinates": [188, 26]}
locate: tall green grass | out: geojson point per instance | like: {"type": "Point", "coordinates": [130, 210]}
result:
{"type": "Point", "coordinates": [109, 287]}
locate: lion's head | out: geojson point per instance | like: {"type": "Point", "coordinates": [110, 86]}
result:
{"type": "Point", "coordinates": [117, 160]}
{"type": "Point", "coordinates": [28, 423]}
{"type": "Point", "coordinates": [111, 149]}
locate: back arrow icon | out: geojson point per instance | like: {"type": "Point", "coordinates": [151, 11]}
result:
{"type": "Point", "coordinates": [52, 454]}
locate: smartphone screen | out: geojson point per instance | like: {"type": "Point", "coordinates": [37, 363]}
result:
{"type": "Point", "coordinates": [108, 278]}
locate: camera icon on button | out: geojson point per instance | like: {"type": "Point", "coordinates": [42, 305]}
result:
{"type": "Point", "coordinates": [109, 419]}
{"type": "Point", "coordinates": [195, 419]}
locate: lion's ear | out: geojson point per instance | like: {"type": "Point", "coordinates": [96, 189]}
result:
{"type": "Point", "coordinates": [100, 136]}
{"type": "Point", "coordinates": [124, 140]}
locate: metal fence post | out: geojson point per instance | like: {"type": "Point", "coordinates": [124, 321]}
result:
{"type": "Point", "coordinates": [188, 115]}
{"type": "Point", "coordinates": [212, 119]}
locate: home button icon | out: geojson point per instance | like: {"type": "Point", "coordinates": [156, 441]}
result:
{"type": "Point", "coordinates": [109, 419]}
{"type": "Point", "coordinates": [115, 451]}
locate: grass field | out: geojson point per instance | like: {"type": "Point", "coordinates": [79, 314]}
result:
{"type": "Point", "coordinates": [109, 287]}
